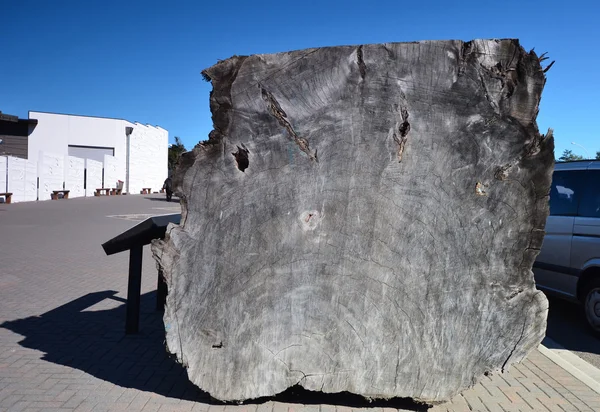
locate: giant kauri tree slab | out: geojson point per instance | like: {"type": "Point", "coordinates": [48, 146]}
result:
{"type": "Point", "coordinates": [362, 219]}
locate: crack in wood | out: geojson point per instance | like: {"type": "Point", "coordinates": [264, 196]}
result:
{"type": "Point", "coordinates": [401, 136]}
{"type": "Point", "coordinates": [362, 67]}
{"type": "Point", "coordinates": [281, 116]}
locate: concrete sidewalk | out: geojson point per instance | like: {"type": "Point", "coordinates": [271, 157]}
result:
{"type": "Point", "coordinates": [63, 347]}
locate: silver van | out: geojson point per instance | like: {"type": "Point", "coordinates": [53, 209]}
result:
{"type": "Point", "coordinates": [569, 263]}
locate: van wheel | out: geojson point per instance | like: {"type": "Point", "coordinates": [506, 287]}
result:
{"type": "Point", "coordinates": [591, 305]}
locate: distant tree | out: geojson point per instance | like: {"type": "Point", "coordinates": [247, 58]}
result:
{"type": "Point", "coordinates": [175, 152]}
{"type": "Point", "coordinates": [569, 156]}
{"type": "Point", "coordinates": [598, 155]}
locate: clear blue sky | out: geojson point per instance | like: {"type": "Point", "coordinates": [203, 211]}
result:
{"type": "Point", "coordinates": [141, 60]}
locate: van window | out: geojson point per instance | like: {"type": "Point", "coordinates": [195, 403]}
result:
{"type": "Point", "coordinates": [590, 197]}
{"type": "Point", "coordinates": [565, 192]}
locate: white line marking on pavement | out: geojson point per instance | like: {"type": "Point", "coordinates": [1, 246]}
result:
{"type": "Point", "coordinates": [582, 370]}
{"type": "Point", "coordinates": [136, 217]}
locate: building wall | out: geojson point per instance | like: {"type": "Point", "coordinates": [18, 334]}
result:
{"type": "Point", "coordinates": [93, 176]}
{"type": "Point", "coordinates": [148, 158]}
{"type": "Point", "coordinates": [55, 132]}
{"type": "Point", "coordinates": [74, 176]}
{"type": "Point", "coordinates": [22, 179]}
{"type": "Point", "coordinates": [50, 135]}
{"type": "Point", "coordinates": [16, 178]}
{"type": "Point", "coordinates": [3, 171]}
{"type": "Point", "coordinates": [148, 151]}
{"type": "Point", "coordinates": [111, 174]}
{"type": "Point", "coordinates": [31, 181]}
{"type": "Point", "coordinates": [51, 173]}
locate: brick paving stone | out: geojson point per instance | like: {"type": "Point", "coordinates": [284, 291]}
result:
{"type": "Point", "coordinates": [74, 401]}
{"type": "Point", "coordinates": [45, 404]}
{"type": "Point", "coordinates": [512, 394]}
{"type": "Point", "coordinates": [203, 407]}
{"type": "Point", "coordinates": [459, 404]}
{"type": "Point", "coordinates": [40, 398]}
{"type": "Point", "coordinates": [529, 385]}
{"type": "Point", "coordinates": [535, 405]}
{"type": "Point", "coordinates": [138, 403]}
{"type": "Point", "coordinates": [594, 404]}
{"type": "Point", "coordinates": [19, 406]}
{"type": "Point", "coordinates": [444, 407]}
{"type": "Point", "coordinates": [324, 408]}
{"type": "Point", "coordinates": [10, 400]}
{"type": "Point", "coordinates": [552, 407]}
{"type": "Point", "coordinates": [500, 393]}
{"type": "Point", "coordinates": [474, 401]}
{"type": "Point", "coordinates": [181, 407]}
{"type": "Point", "coordinates": [305, 408]}
{"type": "Point", "coordinates": [289, 407]}
{"type": "Point", "coordinates": [493, 407]}
{"type": "Point", "coordinates": [151, 407]}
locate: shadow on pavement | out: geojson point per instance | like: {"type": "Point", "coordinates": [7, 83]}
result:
{"type": "Point", "coordinates": [94, 342]}
{"type": "Point", "coordinates": [568, 327]}
{"type": "Point", "coordinates": [163, 198]}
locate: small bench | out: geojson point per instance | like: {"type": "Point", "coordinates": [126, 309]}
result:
{"type": "Point", "coordinates": [7, 197]}
{"type": "Point", "coordinates": [116, 192]}
{"type": "Point", "coordinates": [146, 191]}
{"type": "Point", "coordinates": [106, 191]}
{"type": "Point", "coordinates": [55, 194]}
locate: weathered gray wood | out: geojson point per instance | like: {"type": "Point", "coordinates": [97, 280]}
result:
{"type": "Point", "coordinates": [362, 219]}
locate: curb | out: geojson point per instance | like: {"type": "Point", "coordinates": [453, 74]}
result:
{"type": "Point", "coordinates": [580, 369]}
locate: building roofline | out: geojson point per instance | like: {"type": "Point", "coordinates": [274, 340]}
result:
{"type": "Point", "coordinates": [93, 117]}
{"type": "Point", "coordinates": [76, 115]}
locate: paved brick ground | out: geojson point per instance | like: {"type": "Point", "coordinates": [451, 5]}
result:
{"type": "Point", "coordinates": [63, 347]}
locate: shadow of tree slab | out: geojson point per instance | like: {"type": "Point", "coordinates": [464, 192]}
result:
{"type": "Point", "coordinates": [94, 342]}
{"type": "Point", "coordinates": [567, 323]}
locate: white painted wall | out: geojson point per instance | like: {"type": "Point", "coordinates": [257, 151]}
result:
{"type": "Point", "coordinates": [3, 166]}
{"type": "Point", "coordinates": [22, 179]}
{"type": "Point", "coordinates": [94, 176]}
{"type": "Point", "coordinates": [55, 132]}
{"type": "Point", "coordinates": [16, 178]}
{"type": "Point", "coordinates": [31, 181]}
{"type": "Point", "coordinates": [111, 174]}
{"type": "Point", "coordinates": [50, 135]}
{"type": "Point", "coordinates": [148, 158]}
{"type": "Point", "coordinates": [74, 176]}
{"type": "Point", "coordinates": [51, 172]}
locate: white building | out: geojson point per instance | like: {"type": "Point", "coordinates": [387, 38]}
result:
{"type": "Point", "coordinates": [61, 145]}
